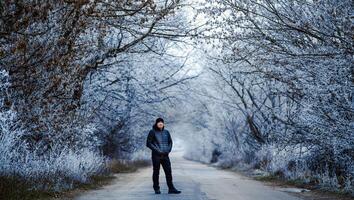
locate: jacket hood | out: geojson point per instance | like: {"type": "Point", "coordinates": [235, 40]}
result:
{"type": "Point", "coordinates": [154, 127]}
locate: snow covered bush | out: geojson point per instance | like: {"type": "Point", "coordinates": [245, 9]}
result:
{"type": "Point", "coordinates": [59, 168]}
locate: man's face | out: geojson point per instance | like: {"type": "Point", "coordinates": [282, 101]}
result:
{"type": "Point", "coordinates": [160, 125]}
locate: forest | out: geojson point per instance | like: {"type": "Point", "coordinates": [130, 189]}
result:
{"type": "Point", "coordinates": [260, 84]}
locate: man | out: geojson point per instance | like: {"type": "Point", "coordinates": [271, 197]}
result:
{"type": "Point", "coordinates": [160, 142]}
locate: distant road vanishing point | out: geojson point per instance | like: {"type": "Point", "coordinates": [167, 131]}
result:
{"type": "Point", "coordinates": [196, 181]}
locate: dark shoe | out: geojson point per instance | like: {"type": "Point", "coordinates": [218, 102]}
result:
{"type": "Point", "coordinates": [157, 191]}
{"type": "Point", "coordinates": [173, 191]}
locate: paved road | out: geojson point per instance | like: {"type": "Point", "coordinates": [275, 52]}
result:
{"type": "Point", "coordinates": [196, 181]}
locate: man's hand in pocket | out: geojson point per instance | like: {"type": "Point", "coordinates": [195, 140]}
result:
{"type": "Point", "coordinates": [164, 154]}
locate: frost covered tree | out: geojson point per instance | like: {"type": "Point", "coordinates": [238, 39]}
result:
{"type": "Point", "coordinates": [51, 48]}
{"type": "Point", "coordinates": [286, 70]}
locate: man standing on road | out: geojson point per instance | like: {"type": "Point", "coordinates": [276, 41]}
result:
{"type": "Point", "coordinates": [160, 142]}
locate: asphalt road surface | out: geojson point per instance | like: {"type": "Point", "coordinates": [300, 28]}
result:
{"type": "Point", "coordinates": [196, 181]}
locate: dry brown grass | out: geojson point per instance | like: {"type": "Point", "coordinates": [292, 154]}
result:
{"type": "Point", "coordinates": [123, 166]}
{"type": "Point", "coordinates": [16, 187]}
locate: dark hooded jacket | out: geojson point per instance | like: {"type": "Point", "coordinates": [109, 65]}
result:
{"type": "Point", "coordinates": [161, 143]}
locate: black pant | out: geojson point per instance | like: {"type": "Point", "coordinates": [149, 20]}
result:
{"type": "Point", "coordinates": [166, 165]}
